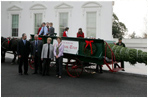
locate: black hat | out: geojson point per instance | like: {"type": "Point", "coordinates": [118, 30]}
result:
{"type": "Point", "coordinates": [120, 39]}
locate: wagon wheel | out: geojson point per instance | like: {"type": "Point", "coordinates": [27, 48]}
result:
{"type": "Point", "coordinates": [31, 63]}
{"type": "Point", "coordinates": [74, 67]}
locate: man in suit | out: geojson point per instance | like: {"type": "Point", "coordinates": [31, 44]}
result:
{"type": "Point", "coordinates": [48, 25]}
{"type": "Point", "coordinates": [47, 56]}
{"type": "Point", "coordinates": [44, 29]}
{"type": "Point", "coordinates": [36, 49]}
{"type": "Point", "coordinates": [23, 50]}
{"type": "Point", "coordinates": [51, 29]}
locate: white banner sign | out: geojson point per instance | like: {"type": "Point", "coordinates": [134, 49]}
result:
{"type": "Point", "coordinates": [70, 47]}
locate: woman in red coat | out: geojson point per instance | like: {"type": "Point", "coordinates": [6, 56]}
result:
{"type": "Point", "coordinates": [65, 33]}
{"type": "Point", "coordinates": [39, 30]}
{"type": "Point", "coordinates": [80, 33]}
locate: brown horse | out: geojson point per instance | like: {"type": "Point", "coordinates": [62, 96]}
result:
{"type": "Point", "coordinates": [8, 44]}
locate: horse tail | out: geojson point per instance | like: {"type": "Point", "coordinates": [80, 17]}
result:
{"type": "Point", "coordinates": [4, 44]}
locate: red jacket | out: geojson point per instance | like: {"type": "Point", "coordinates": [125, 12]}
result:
{"type": "Point", "coordinates": [80, 35]}
{"type": "Point", "coordinates": [39, 30]}
{"type": "Point", "coordinates": [39, 38]}
{"type": "Point", "coordinates": [64, 34]}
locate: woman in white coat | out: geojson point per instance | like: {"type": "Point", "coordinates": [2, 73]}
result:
{"type": "Point", "coordinates": [47, 55]}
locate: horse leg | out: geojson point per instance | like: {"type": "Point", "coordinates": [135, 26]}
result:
{"type": "Point", "coordinates": [99, 67]}
{"type": "Point", "coordinates": [13, 61]}
{"type": "Point", "coordinates": [3, 56]}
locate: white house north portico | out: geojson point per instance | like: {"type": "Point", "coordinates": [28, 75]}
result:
{"type": "Point", "coordinates": [95, 18]}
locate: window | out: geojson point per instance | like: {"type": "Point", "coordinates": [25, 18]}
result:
{"type": "Point", "coordinates": [37, 22]}
{"type": "Point", "coordinates": [91, 24]}
{"type": "Point", "coordinates": [15, 24]}
{"type": "Point", "coordinates": [63, 22]}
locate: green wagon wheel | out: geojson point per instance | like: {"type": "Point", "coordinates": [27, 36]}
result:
{"type": "Point", "coordinates": [74, 67]}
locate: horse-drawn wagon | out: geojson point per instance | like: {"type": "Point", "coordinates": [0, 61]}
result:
{"type": "Point", "coordinates": [82, 52]}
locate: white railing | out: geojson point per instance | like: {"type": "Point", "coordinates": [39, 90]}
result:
{"type": "Point", "coordinates": [135, 43]}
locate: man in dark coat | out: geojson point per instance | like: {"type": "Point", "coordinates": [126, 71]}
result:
{"type": "Point", "coordinates": [120, 43]}
{"type": "Point", "coordinates": [51, 29]}
{"type": "Point", "coordinates": [23, 50]}
{"type": "Point", "coordinates": [36, 49]}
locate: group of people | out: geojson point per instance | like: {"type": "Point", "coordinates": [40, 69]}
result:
{"type": "Point", "coordinates": [48, 29]}
{"type": "Point", "coordinates": [41, 53]}
{"type": "Point", "coordinates": [45, 53]}
{"type": "Point", "coordinates": [79, 34]}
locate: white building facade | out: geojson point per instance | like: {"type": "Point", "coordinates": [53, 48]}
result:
{"type": "Point", "coordinates": [95, 18]}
